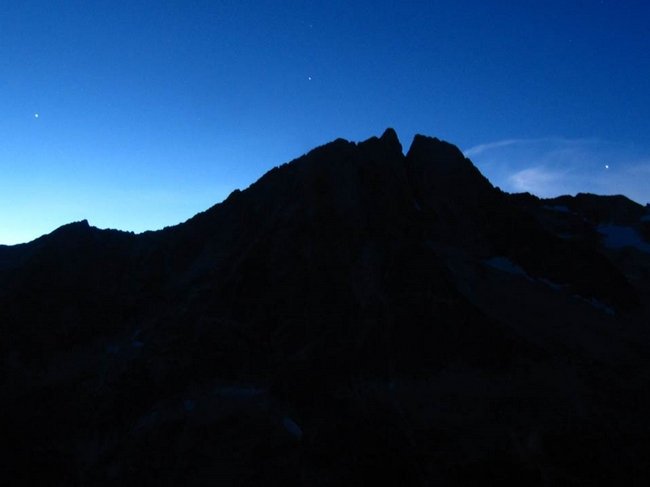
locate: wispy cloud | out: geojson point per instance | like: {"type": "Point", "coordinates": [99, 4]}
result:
{"type": "Point", "coordinates": [547, 141]}
{"type": "Point", "coordinates": [535, 179]}
{"type": "Point", "coordinates": [552, 166]}
{"type": "Point", "coordinates": [479, 149]}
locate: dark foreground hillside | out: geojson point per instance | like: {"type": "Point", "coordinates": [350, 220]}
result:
{"type": "Point", "coordinates": [355, 317]}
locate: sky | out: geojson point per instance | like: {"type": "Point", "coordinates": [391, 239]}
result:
{"type": "Point", "coordinates": [138, 114]}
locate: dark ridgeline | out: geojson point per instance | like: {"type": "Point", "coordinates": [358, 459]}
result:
{"type": "Point", "coordinates": [355, 317]}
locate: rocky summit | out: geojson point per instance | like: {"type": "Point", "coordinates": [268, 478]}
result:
{"type": "Point", "coordinates": [358, 316]}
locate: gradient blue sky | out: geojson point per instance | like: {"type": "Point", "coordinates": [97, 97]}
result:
{"type": "Point", "coordinates": [150, 111]}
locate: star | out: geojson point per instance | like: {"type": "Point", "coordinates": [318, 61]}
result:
{"type": "Point", "coordinates": [36, 115]}
{"type": "Point", "coordinates": [309, 78]}
{"type": "Point", "coordinates": [606, 166]}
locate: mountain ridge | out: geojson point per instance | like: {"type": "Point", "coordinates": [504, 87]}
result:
{"type": "Point", "coordinates": [356, 315]}
{"type": "Point", "coordinates": [390, 137]}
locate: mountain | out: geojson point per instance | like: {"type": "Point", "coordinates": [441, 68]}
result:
{"type": "Point", "coordinates": [358, 316]}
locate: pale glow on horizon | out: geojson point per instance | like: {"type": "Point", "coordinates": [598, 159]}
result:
{"type": "Point", "coordinates": [553, 166]}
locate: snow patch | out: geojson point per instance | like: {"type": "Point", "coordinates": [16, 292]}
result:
{"type": "Point", "coordinates": [553, 285]}
{"type": "Point", "coordinates": [618, 236]}
{"type": "Point", "coordinates": [148, 420]}
{"type": "Point", "coordinates": [597, 304]}
{"type": "Point", "coordinates": [291, 426]}
{"type": "Point", "coordinates": [506, 265]}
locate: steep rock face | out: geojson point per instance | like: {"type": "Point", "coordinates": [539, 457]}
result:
{"type": "Point", "coordinates": [464, 209]}
{"type": "Point", "coordinates": [357, 315]}
{"type": "Point", "coordinates": [441, 176]}
{"type": "Point", "coordinates": [331, 247]}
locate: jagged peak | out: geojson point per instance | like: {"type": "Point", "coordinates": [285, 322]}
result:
{"type": "Point", "coordinates": [390, 137]}
{"type": "Point", "coordinates": [388, 142]}
{"type": "Point", "coordinates": [73, 228]}
{"type": "Point", "coordinates": [81, 224]}
{"type": "Point", "coordinates": [443, 152]}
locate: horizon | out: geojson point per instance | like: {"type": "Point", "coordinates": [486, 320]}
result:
{"type": "Point", "coordinates": [137, 115]}
{"type": "Point", "coordinates": [404, 152]}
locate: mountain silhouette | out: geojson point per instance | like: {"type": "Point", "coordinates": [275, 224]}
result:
{"type": "Point", "coordinates": [357, 316]}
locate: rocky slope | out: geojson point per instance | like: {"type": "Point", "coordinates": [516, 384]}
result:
{"type": "Point", "coordinates": [356, 316]}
